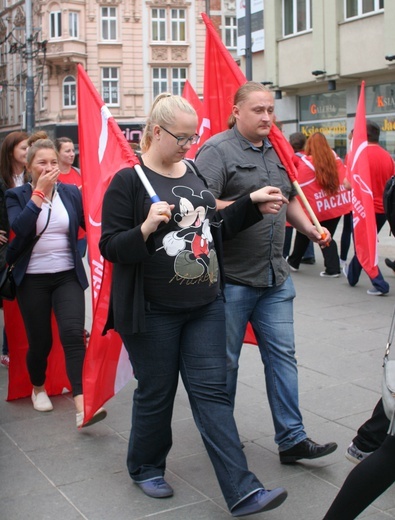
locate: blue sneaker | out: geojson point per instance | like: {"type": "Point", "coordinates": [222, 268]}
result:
{"type": "Point", "coordinates": [156, 488]}
{"type": "Point", "coordinates": [261, 500]}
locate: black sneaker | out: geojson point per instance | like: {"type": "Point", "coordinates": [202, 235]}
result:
{"type": "Point", "coordinates": [389, 263]}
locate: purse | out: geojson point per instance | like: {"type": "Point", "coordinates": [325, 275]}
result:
{"type": "Point", "coordinates": [388, 381]}
{"type": "Point", "coordinates": [7, 283]}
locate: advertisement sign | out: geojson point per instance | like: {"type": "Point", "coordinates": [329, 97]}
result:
{"type": "Point", "coordinates": [257, 32]}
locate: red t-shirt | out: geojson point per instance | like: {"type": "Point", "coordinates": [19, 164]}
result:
{"type": "Point", "coordinates": [73, 177]}
{"type": "Point", "coordinates": [382, 168]}
{"type": "Point", "coordinates": [324, 206]}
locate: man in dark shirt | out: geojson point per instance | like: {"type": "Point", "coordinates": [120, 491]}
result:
{"type": "Point", "coordinates": [258, 286]}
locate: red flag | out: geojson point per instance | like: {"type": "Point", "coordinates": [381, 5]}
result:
{"type": "Point", "coordinates": [190, 95]}
{"type": "Point", "coordinates": [364, 219]}
{"type": "Point", "coordinates": [19, 384]}
{"type": "Point", "coordinates": [222, 77]}
{"type": "Point", "coordinates": [103, 151]}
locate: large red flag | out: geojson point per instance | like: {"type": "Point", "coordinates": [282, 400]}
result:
{"type": "Point", "coordinates": [358, 172]}
{"type": "Point", "coordinates": [190, 95]}
{"type": "Point", "coordinates": [222, 77]}
{"type": "Point", "coordinates": [103, 151]}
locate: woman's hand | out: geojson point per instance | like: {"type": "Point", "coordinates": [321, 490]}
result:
{"type": "Point", "coordinates": [47, 180]}
{"type": "Point", "coordinates": [159, 212]}
{"type": "Point", "coordinates": [269, 199]}
{"type": "Point", "coordinates": [3, 236]}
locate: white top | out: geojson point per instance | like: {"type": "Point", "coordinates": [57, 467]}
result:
{"type": "Point", "coordinates": [52, 253]}
{"type": "Point", "coordinates": [18, 179]}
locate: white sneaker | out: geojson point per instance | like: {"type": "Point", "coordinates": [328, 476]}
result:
{"type": "Point", "coordinates": [375, 292]}
{"type": "Point", "coordinates": [99, 416]}
{"type": "Point", "coordinates": [324, 274]}
{"type": "Point", "coordinates": [345, 270]}
{"type": "Point", "coordinates": [41, 402]}
{"type": "Point", "coordinates": [343, 263]}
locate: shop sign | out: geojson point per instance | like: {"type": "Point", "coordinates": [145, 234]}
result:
{"type": "Point", "coordinates": [322, 106]}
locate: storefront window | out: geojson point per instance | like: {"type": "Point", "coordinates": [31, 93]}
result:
{"type": "Point", "coordinates": [325, 113]}
{"type": "Point", "coordinates": [380, 107]}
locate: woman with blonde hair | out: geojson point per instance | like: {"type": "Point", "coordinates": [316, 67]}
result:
{"type": "Point", "coordinates": [321, 176]}
{"type": "Point", "coordinates": [167, 303]}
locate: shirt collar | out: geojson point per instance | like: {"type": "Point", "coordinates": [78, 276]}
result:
{"type": "Point", "coordinates": [245, 143]}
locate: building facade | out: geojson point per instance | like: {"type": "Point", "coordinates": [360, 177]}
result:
{"type": "Point", "coordinates": [315, 55]}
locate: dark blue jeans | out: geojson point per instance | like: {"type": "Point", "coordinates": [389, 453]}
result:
{"type": "Point", "coordinates": [190, 342]}
{"type": "Point", "coordinates": [355, 268]}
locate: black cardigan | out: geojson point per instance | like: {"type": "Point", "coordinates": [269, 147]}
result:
{"type": "Point", "coordinates": [122, 244]}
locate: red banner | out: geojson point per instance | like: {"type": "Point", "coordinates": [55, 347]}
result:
{"type": "Point", "coordinates": [103, 151]}
{"type": "Point", "coordinates": [190, 95]}
{"type": "Point", "coordinates": [358, 173]}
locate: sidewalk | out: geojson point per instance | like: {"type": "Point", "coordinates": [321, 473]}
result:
{"type": "Point", "coordinates": [51, 471]}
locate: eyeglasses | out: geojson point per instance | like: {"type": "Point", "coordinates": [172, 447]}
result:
{"type": "Point", "coordinates": [182, 141]}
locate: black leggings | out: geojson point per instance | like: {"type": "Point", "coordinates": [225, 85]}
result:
{"type": "Point", "coordinates": [365, 483]}
{"type": "Point", "coordinates": [37, 295]}
{"type": "Point", "coordinates": [331, 256]}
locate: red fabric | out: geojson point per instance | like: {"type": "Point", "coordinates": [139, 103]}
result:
{"type": "Point", "coordinates": [324, 206]}
{"type": "Point", "coordinates": [190, 95]}
{"type": "Point", "coordinates": [103, 151]}
{"type": "Point", "coordinates": [19, 384]}
{"type": "Point", "coordinates": [358, 173]}
{"type": "Point", "coordinates": [222, 77]}
{"type": "Point", "coordinates": [381, 169]}
{"type": "Point", "coordinates": [73, 177]}
{"type": "Point", "coordinates": [250, 335]}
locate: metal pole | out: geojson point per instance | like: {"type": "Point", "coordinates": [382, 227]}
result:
{"type": "Point", "coordinates": [29, 60]}
{"type": "Point", "coordinates": [248, 40]}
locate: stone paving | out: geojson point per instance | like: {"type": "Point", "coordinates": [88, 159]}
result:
{"type": "Point", "coordinates": [51, 471]}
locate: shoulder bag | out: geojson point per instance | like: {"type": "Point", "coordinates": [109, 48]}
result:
{"type": "Point", "coordinates": [7, 283]}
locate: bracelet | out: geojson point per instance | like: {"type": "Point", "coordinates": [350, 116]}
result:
{"type": "Point", "coordinates": [39, 193]}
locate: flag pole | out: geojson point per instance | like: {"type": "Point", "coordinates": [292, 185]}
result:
{"type": "Point", "coordinates": [309, 209]}
{"type": "Point", "coordinates": [147, 185]}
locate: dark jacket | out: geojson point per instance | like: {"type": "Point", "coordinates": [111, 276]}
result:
{"type": "Point", "coordinates": [122, 244]}
{"type": "Point", "coordinates": [23, 214]}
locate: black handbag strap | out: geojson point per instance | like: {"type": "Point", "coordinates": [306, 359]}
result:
{"type": "Point", "coordinates": [390, 336]}
{"type": "Point", "coordinates": [30, 246]}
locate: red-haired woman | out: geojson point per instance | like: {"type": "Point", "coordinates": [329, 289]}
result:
{"type": "Point", "coordinates": [321, 175]}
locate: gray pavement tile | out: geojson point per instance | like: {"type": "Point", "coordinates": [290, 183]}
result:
{"type": "Point", "coordinates": [44, 505]}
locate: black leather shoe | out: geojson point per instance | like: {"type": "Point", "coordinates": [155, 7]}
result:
{"type": "Point", "coordinates": [306, 449]}
{"type": "Point", "coordinates": [389, 263]}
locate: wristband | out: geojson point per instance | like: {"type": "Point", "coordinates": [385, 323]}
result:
{"type": "Point", "coordinates": [39, 193]}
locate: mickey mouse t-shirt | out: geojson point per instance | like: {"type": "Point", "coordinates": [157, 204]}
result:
{"type": "Point", "coordinates": [184, 270]}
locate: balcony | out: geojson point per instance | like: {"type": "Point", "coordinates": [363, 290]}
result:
{"type": "Point", "coordinates": [65, 51]}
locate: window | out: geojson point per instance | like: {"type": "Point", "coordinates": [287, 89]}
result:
{"type": "Point", "coordinates": [42, 95]}
{"type": "Point", "coordinates": [73, 25]}
{"type": "Point", "coordinates": [360, 7]}
{"type": "Point", "coordinates": [158, 25]}
{"type": "Point", "coordinates": [164, 77]}
{"type": "Point", "coordinates": [109, 23]}
{"type": "Point", "coordinates": [230, 32]}
{"type": "Point", "coordinates": [297, 16]}
{"type": "Point", "coordinates": [178, 25]}
{"type": "Point", "coordinates": [69, 92]}
{"type": "Point", "coordinates": [168, 22]}
{"type": "Point", "coordinates": [110, 85]}
{"type": "Point", "coordinates": [55, 24]}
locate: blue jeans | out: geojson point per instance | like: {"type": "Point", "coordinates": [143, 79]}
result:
{"type": "Point", "coordinates": [190, 342]}
{"type": "Point", "coordinates": [270, 311]}
{"type": "Point", "coordinates": [355, 268]}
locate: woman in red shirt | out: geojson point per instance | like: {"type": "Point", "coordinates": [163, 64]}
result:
{"type": "Point", "coordinates": [321, 174]}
